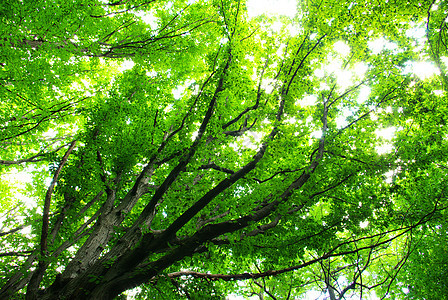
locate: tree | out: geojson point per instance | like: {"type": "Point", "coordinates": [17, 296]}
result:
{"type": "Point", "coordinates": [230, 149]}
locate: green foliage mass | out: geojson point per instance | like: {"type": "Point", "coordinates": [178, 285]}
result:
{"type": "Point", "coordinates": [189, 150]}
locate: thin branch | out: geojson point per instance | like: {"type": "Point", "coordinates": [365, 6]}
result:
{"type": "Point", "coordinates": [370, 111]}
{"type": "Point", "coordinates": [17, 253]}
{"type": "Point", "coordinates": [121, 11]}
{"type": "Point", "coordinates": [302, 61]}
{"type": "Point", "coordinates": [46, 210]}
{"type": "Point", "coordinates": [270, 273]}
{"type": "Point", "coordinates": [216, 167]}
{"type": "Point", "coordinates": [37, 276]}
{"type": "Point", "coordinates": [35, 158]}
{"type": "Point", "coordinates": [12, 230]}
{"type": "Point", "coordinates": [331, 187]}
{"type": "Point", "coordinates": [278, 173]}
{"type": "Point", "coordinates": [263, 286]}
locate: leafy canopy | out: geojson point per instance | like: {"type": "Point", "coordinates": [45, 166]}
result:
{"type": "Point", "coordinates": [184, 150]}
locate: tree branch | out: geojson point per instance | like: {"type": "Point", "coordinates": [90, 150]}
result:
{"type": "Point", "coordinates": [35, 280]}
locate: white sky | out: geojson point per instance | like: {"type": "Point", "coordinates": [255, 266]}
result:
{"type": "Point", "coordinates": [271, 7]}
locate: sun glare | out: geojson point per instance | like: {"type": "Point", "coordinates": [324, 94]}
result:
{"type": "Point", "coordinates": [341, 48]}
{"type": "Point", "coordinates": [271, 7]}
{"type": "Point", "coordinates": [423, 69]}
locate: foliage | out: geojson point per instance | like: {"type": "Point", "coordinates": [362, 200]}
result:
{"type": "Point", "coordinates": [182, 149]}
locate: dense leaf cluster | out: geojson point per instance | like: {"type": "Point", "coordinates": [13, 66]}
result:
{"type": "Point", "coordinates": [182, 149]}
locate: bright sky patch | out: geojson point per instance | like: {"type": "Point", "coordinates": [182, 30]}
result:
{"type": "Point", "coordinates": [271, 7]}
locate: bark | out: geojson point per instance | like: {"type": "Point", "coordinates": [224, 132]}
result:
{"type": "Point", "coordinates": [37, 276]}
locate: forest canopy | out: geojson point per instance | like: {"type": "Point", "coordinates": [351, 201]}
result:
{"type": "Point", "coordinates": [186, 149]}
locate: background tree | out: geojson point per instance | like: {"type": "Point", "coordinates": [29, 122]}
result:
{"type": "Point", "coordinates": [189, 147]}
